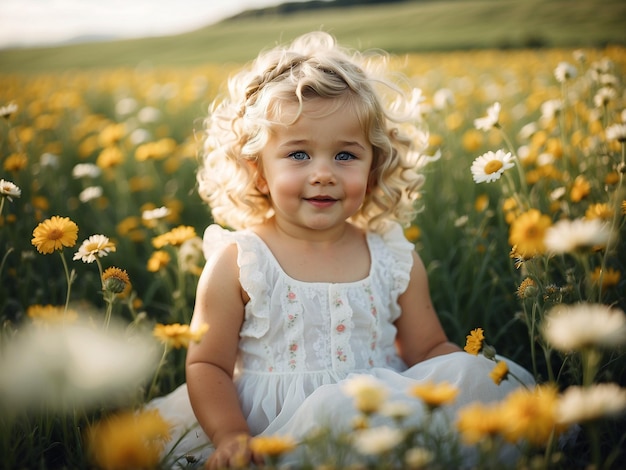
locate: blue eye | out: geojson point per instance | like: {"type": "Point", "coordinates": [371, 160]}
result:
{"type": "Point", "coordinates": [298, 156]}
{"type": "Point", "coordinates": [344, 156]}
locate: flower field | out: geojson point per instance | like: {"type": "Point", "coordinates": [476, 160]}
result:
{"type": "Point", "coordinates": [521, 232]}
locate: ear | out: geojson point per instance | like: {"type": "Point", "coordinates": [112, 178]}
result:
{"type": "Point", "coordinates": [256, 170]}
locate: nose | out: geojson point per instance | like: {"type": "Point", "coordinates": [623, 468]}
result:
{"type": "Point", "coordinates": [322, 173]}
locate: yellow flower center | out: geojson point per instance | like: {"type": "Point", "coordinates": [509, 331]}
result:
{"type": "Point", "coordinates": [493, 166]}
{"type": "Point", "coordinates": [55, 234]}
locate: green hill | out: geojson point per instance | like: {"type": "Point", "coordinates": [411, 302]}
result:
{"type": "Point", "coordinates": [417, 25]}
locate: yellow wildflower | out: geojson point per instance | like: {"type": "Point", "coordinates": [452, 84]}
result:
{"type": "Point", "coordinates": [474, 341]}
{"type": "Point", "coordinates": [478, 421]}
{"type": "Point", "coordinates": [412, 233]}
{"type": "Point", "coordinates": [128, 440]}
{"type": "Point", "coordinates": [530, 414]}
{"type": "Point", "coordinates": [45, 314]}
{"type": "Point", "coordinates": [177, 335]}
{"type": "Point", "coordinates": [435, 395]}
{"type": "Point", "coordinates": [580, 189]}
{"type": "Point", "coordinates": [528, 231]}
{"type": "Point", "coordinates": [272, 446]}
{"type": "Point", "coordinates": [499, 372]}
{"type": "Point", "coordinates": [610, 277]}
{"type": "Point", "coordinates": [599, 211]}
{"type": "Point", "coordinates": [527, 288]}
{"type": "Point", "coordinates": [175, 237]}
{"type": "Point", "coordinates": [115, 280]}
{"type": "Point", "coordinates": [54, 233]}
{"type": "Point", "coordinates": [15, 162]}
{"type": "Point", "coordinates": [158, 261]}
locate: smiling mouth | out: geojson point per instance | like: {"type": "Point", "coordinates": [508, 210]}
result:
{"type": "Point", "coordinates": [321, 199]}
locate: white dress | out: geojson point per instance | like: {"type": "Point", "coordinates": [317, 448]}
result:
{"type": "Point", "coordinates": [299, 340]}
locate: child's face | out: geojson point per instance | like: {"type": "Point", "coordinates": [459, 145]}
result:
{"type": "Point", "coordinates": [316, 170]}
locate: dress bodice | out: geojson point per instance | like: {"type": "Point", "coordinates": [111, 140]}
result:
{"type": "Point", "coordinates": [299, 335]}
{"type": "Point", "coordinates": [297, 326]}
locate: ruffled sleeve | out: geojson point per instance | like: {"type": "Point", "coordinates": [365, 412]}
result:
{"type": "Point", "coordinates": [399, 260]}
{"type": "Point", "coordinates": [252, 274]}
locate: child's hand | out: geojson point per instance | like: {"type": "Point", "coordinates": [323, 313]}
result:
{"type": "Point", "coordinates": [233, 452]}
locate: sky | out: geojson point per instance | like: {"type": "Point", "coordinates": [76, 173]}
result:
{"type": "Point", "coordinates": [37, 22]}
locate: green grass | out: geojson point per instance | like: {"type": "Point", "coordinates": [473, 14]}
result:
{"type": "Point", "coordinates": [411, 26]}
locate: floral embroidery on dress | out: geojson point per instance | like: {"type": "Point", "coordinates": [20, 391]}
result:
{"type": "Point", "coordinates": [293, 351]}
{"type": "Point", "coordinates": [340, 328]}
{"type": "Point", "coordinates": [341, 356]}
{"type": "Point", "coordinates": [368, 291]}
{"type": "Point", "coordinates": [291, 295]}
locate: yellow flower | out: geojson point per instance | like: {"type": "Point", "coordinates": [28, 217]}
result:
{"type": "Point", "coordinates": [580, 189]}
{"type": "Point", "coordinates": [128, 440]}
{"type": "Point", "coordinates": [15, 162]}
{"type": "Point", "coordinates": [599, 211]}
{"type": "Point", "coordinates": [44, 314]}
{"type": "Point", "coordinates": [412, 233]}
{"type": "Point", "coordinates": [54, 233]}
{"type": "Point", "coordinates": [481, 203]}
{"type": "Point", "coordinates": [478, 421]}
{"type": "Point", "coordinates": [527, 233]}
{"type": "Point", "coordinates": [474, 341]}
{"type": "Point", "coordinates": [177, 335]}
{"type": "Point", "coordinates": [177, 236]}
{"type": "Point", "coordinates": [530, 414]}
{"type": "Point", "coordinates": [527, 288]}
{"type": "Point", "coordinates": [158, 261]}
{"type": "Point", "coordinates": [434, 395]}
{"type": "Point", "coordinates": [499, 372]}
{"type": "Point", "coordinates": [609, 277]}
{"type": "Point", "coordinates": [272, 446]}
{"type": "Point", "coordinates": [110, 157]}
{"type": "Point", "coordinates": [111, 134]}
{"type": "Point", "coordinates": [115, 280]}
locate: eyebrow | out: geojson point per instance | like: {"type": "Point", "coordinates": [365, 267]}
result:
{"type": "Point", "coordinates": [343, 143]}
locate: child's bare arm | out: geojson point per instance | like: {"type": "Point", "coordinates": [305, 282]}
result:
{"type": "Point", "coordinates": [210, 364]}
{"type": "Point", "coordinates": [420, 334]}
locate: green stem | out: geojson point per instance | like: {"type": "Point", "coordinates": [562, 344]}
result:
{"type": "Point", "coordinates": [4, 258]}
{"type": "Point", "coordinates": [590, 358]}
{"type": "Point", "coordinates": [158, 370]}
{"type": "Point", "coordinates": [69, 277]}
{"type": "Point", "coordinates": [1, 204]}
{"type": "Point", "coordinates": [109, 297]}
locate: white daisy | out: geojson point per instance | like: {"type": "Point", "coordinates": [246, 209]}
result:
{"type": "Point", "coordinates": [368, 392]}
{"type": "Point", "coordinates": [9, 190]}
{"type": "Point", "coordinates": [491, 120]}
{"type": "Point", "coordinates": [581, 404]}
{"type": "Point", "coordinates": [565, 71]}
{"type": "Point", "coordinates": [604, 96]}
{"type": "Point", "coordinates": [573, 327]}
{"type": "Point", "coordinates": [96, 246]}
{"type": "Point", "coordinates": [568, 236]}
{"type": "Point", "coordinates": [155, 214]}
{"type": "Point", "coordinates": [90, 193]}
{"type": "Point", "coordinates": [69, 365]}
{"type": "Point", "coordinates": [550, 109]}
{"type": "Point", "coordinates": [443, 98]}
{"type": "Point", "coordinates": [86, 170]}
{"type": "Point", "coordinates": [376, 441]}
{"type": "Point", "coordinates": [8, 110]}
{"type": "Point", "coordinates": [490, 166]}
{"type": "Point", "coordinates": [616, 132]}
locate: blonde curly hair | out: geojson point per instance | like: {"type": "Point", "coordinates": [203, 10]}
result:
{"type": "Point", "coordinates": [312, 66]}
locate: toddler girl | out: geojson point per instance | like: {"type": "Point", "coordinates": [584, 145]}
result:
{"type": "Point", "coordinates": [312, 158]}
